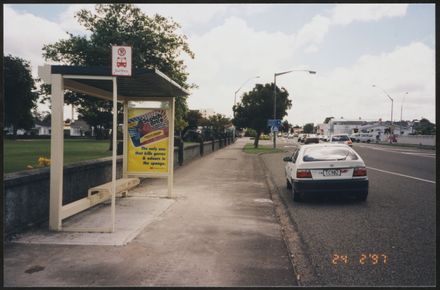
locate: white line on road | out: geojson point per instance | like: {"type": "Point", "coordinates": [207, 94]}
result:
{"type": "Point", "coordinates": [399, 174]}
{"type": "Point", "coordinates": [401, 151]}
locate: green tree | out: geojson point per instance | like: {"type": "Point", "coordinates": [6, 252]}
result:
{"type": "Point", "coordinates": [286, 126]}
{"type": "Point", "coordinates": [308, 128]}
{"type": "Point", "coordinates": [194, 119]}
{"type": "Point", "coordinates": [155, 41]}
{"type": "Point", "coordinates": [20, 99]}
{"type": "Point", "coordinates": [256, 107]}
{"type": "Point", "coordinates": [327, 120]}
{"type": "Point", "coordinates": [218, 123]}
{"type": "Point", "coordinates": [424, 127]}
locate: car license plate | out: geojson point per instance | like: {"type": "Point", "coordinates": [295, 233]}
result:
{"type": "Point", "coordinates": [331, 172]}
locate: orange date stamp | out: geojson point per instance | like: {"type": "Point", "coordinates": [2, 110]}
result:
{"type": "Point", "coordinates": [362, 259]}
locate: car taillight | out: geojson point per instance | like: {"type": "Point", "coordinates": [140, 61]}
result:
{"type": "Point", "coordinates": [360, 171]}
{"type": "Point", "coordinates": [349, 142]}
{"type": "Point", "coordinates": [303, 173]}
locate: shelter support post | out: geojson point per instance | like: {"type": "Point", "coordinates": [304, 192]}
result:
{"type": "Point", "coordinates": [171, 151]}
{"type": "Point", "coordinates": [56, 153]}
{"type": "Point", "coordinates": [125, 140]}
{"type": "Point", "coordinates": [115, 136]}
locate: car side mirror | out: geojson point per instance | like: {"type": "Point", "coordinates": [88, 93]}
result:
{"type": "Point", "coordinates": [287, 159]}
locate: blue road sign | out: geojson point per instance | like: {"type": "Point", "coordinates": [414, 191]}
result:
{"type": "Point", "coordinates": [273, 122]}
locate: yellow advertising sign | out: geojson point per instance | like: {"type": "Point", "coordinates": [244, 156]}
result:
{"type": "Point", "coordinates": [148, 145]}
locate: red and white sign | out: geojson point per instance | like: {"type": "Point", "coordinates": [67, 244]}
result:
{"type": "Point", "coordinates": [121, 60]}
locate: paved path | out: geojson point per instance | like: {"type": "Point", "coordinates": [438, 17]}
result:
{"type": "Point", "coordinates": [221, 232]}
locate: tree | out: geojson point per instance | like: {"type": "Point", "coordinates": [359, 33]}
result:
{"type": "Point", "coordinates": [194, 119]}
{"type": "Point", "coordinates": [218, 122]}
{"type": "Point", "coordinates": [327, 120]}
{"type": "Point", "coordinates": [155, 42]}
{"type": "Point", "coordinates": [256, 108]}
{"type": "Point", "coordinates": [424, 127]}
{"type": "Point", "coordinates": [308, 128]}
{"type": "Point", "coordinates": [286, 126]}
{"type": "Point", "coordinates": [20, 99]}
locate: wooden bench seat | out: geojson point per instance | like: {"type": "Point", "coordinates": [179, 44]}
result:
{"type": "Point", "coordinates": [102, 192]}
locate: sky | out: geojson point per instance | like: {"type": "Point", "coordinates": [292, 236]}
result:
{"type": "Point", "coordinates": [350, 46]}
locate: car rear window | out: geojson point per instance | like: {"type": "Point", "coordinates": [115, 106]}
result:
{"type": "Point", "coordinates": [328, 154]}
{"type": "Point", "coordinates": [340, 138]}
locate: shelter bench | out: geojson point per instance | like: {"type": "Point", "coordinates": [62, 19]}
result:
{"type": "Point", "coordinates": [102, 192]}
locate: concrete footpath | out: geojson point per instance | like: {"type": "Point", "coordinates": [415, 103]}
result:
{"type": "Point", "coordinates": [220, 231]}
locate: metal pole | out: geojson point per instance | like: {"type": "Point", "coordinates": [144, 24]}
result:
{"type": "Point", "coordinates": [392, 101]}
{"type": "Point", "coordinates": [235, 100]}
{"type": "Point", "coordinates": [115, 133]}
{"type": "Point", "coordinates": [274, 108]}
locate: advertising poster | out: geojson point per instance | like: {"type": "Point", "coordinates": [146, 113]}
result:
{"type": "Point", "coordinates": [148, 131]}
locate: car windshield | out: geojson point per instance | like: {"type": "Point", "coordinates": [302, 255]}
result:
{"type": "Point", "coordinates": [340, 138]}
{"type": "Point", "coordinates": [328, 154]}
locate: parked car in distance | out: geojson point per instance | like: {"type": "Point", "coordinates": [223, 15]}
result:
{"type": "Point", "coordinates": [366, 137]}
{"type": "Point", "coordinates": [354, 137]}
{"type": "Point", "coordinates": [323, 138]}
{"type": "Point", "coordinates": [295, 135]}
{"type": "Point", "coordinates": [302, 137]}
{"type": "Point", "coordinates": [311, 139]}
{"type": "Point", "coordinates": [326, 168]}
{"type": "Point", "coordinates": [341, 138]}
{"type": "Point", "coordinates": [290, 136]}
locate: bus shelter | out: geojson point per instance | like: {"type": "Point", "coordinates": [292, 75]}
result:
{"type": "Point", "coordinates": [148, 134]}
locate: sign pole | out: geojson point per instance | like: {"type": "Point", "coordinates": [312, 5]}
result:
{"type": "Point", "coordinates": [115, 133]}
{"type": "Point", "coordinates": [171, 150]}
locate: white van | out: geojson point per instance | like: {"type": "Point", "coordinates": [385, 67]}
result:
{"type": "Point", "coordinates": [366, 137]}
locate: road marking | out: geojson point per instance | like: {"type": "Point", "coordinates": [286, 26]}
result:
{"type": "Point", "coordinates": [401, 151]}
{"type": "Point", "coordinates": [403, 175]}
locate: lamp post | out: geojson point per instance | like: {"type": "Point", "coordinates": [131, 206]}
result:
{"type": "Point", "coordinates": [392, 101]}
{"type": "Point", "coordinates": [235, 94]}
{"type": "Point", "coordinates": [401, 109]}
{"type": "Point", "coordinates": [275, 96]}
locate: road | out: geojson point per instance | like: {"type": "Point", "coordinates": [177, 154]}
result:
{"type": "Point", "coordinates": [387, 240]}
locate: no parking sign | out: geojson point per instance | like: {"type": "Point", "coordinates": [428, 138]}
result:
{"type": "Point", "coordinates": [121, 60]}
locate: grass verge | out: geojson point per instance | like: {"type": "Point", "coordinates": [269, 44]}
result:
{"type": "Point", "coordinates": [18, 154]}
{"type": "Point", "coordinates": [249, 148]}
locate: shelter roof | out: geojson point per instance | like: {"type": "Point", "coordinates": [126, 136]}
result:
{"type": "Point", "coordinates": [142, 84]}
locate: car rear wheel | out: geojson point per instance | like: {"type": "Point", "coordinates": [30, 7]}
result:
{"type": "Point", "coordinates": [296, 195]}
{"type": "Point", "coordinates": [362, 196]}
{"type": "Point", "coordinates": [288, 184]}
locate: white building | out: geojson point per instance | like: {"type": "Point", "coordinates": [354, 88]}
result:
{"type": "Point", "coordinates": [206, 113]}
{"type": "Point", "coordinates": [79, 128]}
{"type": "Point", "coordinates": [42, 128]}
{"type": "Point", "coordinates": [344, 126]}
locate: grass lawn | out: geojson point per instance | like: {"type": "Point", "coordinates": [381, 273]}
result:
{"type": "Point", "coordinates": [249, 148]}
{"type": "Point", "coordinates": [18, 154]}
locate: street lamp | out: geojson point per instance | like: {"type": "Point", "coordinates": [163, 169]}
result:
{"type": "Point", "coordinates": [401, 109]}
{"type": "Point", "coordinates": [235, 94]}
{"type": "Point", "coordinates": [275, 96]}
{"type": "Point", "coordinates": [392, 101]}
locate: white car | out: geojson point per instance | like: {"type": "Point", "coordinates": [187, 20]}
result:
{"type": "Point", "coordinates": [366, 137]}
{"type": "Point", "coordinates": [326, 168]}
{"type": "Point", "coordinates": [341, 139]}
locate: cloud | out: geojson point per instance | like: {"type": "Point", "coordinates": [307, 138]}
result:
{"type": "Point", "coordinates": [25, 34]}
{"type": "Point", "coordinates": [348, 91]}
{"type": "Point", "coordinates": [227, 53]}
{"type": "Point", "coordinates": [344, 14]}
{"type": "Point", "coordinates": [189, 15]}
{"type": "Point", "coordinates": [313, 32]}
{"type": "Point", "coordinates": [69, 23]}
